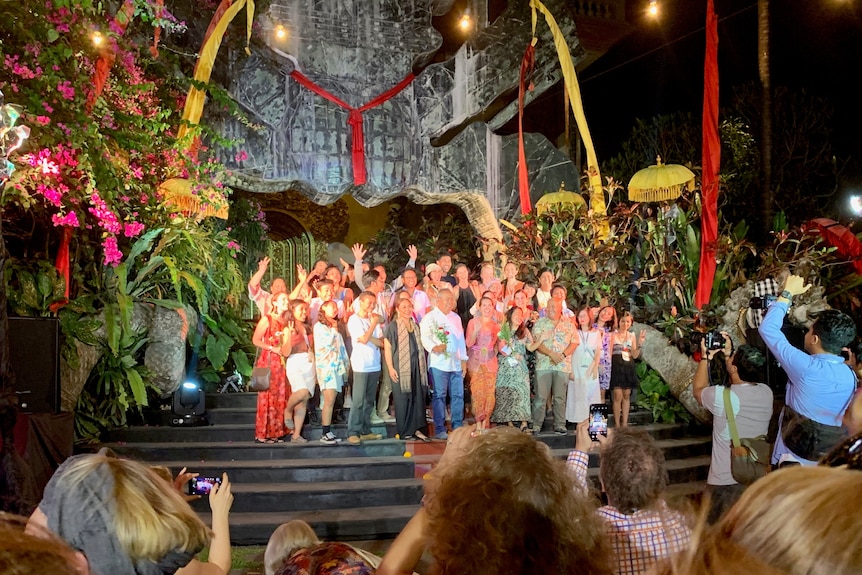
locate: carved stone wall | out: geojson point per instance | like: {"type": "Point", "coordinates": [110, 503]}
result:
{"type": "Point", "coordinates": [434, 138]}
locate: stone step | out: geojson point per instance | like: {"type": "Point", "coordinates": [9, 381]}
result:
{"type": "Point", "coordinates": [172, 449]}
{"type": "Point", "coordinates": [221, 431]}
{"type": "Point", "coordinates": [199, 451]}
{"type": "Point", "coordinates": [246, 415]}
{"type": "Point", "coordinates": [351, 524]}
{"type": "Point", "coordinates": [302, 470]}
{"type": "Point", "coordinates": [288, 497]}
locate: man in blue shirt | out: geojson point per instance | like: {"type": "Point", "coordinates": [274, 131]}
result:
{"type": "Point", "coordinates": [820, 386]}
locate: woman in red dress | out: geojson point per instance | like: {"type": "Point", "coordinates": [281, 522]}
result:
{"type": "Point", "coordinates": [269, 424]}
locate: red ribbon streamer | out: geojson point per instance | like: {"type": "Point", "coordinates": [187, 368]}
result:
{"type": "Point", "coordinates": [354, 118]}
{"type": "Point", "coordinates": [527, 64]}
{"type": "Point", "coordinates": [106, 59]}
{"type": "Point", "coordinates": [711, 162]}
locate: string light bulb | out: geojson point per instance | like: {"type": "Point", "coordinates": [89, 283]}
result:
{"type": "Point", "coordinates": [653, 8]}
{"type": "Point", "coordinates": [280, 32]}
{"type": "Point", "coordinates": [97, 38]}
{"type": "Point", "coordinates": [466, 21]}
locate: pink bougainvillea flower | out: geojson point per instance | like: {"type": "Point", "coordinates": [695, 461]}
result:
{"type": "Point", "coordinates": [69, 220]}
{"type": "Point", "coordinates": [113, 255]}
{"type": "Point", "coordinates": [133, 229]}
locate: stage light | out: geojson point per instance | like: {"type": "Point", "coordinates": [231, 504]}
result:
{"type": "Point", "coordinates": [856, 205]}
{"type": "Point", "coordinates": [97, 38]}
{"type": "Point", "coordinates": [189, 405]}
{"type": "Point", "coordinates": [653, 8]}
{"type": "Point", "coordinates": [280, 32]}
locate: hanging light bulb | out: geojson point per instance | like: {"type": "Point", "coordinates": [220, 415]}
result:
{"type": "Point", "coordinates": [466, 21]}
{"type": "Point", "coordinates": [653, 8]}
{"type": "Point", "coordinates": [97, 38]}
{"type": "Point", "coordinates": [280, 32]}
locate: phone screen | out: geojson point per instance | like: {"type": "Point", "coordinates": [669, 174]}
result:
{"type": "Point", "coordinates": [202, 485]}
{"type": "Point", "coordinates": [598, 420]}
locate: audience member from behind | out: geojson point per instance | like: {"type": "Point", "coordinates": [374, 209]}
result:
{"type": "Point", "coordinates": [641, 528]}
{"type": "Point", "coordinates": [36, 551]}
{"type": "Point", "coordinates": [796, 521]}
{"type": "Point", "coordinates": [819, 384]}
{"type": "Point", "coordinates": [294, 549]}
{"type": "Point", "coordinates": [287, 539]}
{"type": "Point", "coordinates": [125, 519]}
{"type": "Point", "coordinates": [499, 502]}
{"type": "Point", "coordinates": [752, 410]}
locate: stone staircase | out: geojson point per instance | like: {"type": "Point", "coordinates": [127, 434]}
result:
{"type": "Point", "coordinates": [345, 492]}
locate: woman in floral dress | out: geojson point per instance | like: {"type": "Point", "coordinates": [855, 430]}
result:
{"type": "Point", "coordinates": [606, 323]}
{"type": "Point", "coordinates": [269, 424]}
{"type": "Point", "coordinates": [481, 342]}
{"type": "Point", "coordinates": [330, 361]}
{"type": "Point", "coordinates": [513, 379]}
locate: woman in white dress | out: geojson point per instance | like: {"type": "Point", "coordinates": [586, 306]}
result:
{"type": "Point", "coordinates": [584, 383]}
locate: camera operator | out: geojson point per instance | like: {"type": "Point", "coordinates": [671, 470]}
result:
{"type": "Point", "coordinates": [820, 386]}
{"type": "Point", "coordinates": [751, 402]}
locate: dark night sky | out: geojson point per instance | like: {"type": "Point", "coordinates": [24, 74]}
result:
{"type": "Point", "coordinates": [816, 44]}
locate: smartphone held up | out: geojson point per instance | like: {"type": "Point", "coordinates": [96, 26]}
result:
{"type": "Point", "coordinates": [598, 420]}
{"type": "Point", "coordinates": [202, 485]}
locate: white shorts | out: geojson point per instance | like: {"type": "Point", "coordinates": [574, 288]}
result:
{"type": "Point", "coordinates": [300, 372]}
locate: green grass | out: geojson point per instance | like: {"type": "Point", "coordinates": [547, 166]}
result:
{"type": "Point", "coordinates": [242, 558]}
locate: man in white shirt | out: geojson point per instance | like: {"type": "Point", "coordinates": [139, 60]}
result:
{"type": "Point", "coordinates": [421, 303]}
{"type": "Point", "coordinates": [367, 338]}
{"type": "Point", "coordinates": [375, 283]}
{"type": "Point", "coordinates": [443, 339]}
{"type": "Point", "coordinates": [546, 281]}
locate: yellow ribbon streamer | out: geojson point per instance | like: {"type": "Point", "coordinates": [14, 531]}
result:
{"type": "Point", "coordinates": [195, 100]}
{"type": "Point", "coordinates": [570, 77]}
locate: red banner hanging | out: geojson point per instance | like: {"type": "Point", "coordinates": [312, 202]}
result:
{"type": "Point", "coordinates": [354, 118]}
{"type": "Point", "coordinates": [527, 64]}
{"type": "Point", "coordinates": [711, 162]}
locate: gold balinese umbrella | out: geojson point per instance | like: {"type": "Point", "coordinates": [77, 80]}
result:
{"type": "Point", "coordinates": [560, 198]}
{"type": "Point", "coordinates": [208, 202]}
{"type": "Point", "coordinates": [660, 182]}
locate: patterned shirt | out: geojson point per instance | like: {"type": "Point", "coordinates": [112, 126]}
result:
{"type": "Point", "coordinates": [641, 539]}
{"type": "Point", "coordinates": [564, 334]}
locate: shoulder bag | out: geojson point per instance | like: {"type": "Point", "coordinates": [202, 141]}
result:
{"type": "Point", "coordinates": [749, 456]}
{"type": "Point", "coordinates": [259, 376]}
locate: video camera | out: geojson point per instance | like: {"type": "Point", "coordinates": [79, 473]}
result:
{"type": "Point", "coordinates": [712, 339]}
{"type": "Point", "coordinates": [761, 302]}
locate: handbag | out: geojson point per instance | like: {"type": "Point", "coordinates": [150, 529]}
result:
{"type": "Point", "coordinates": [259, 379]}
{"type": "Point", "coordinates": [749, 456]}
{"type": "Point", "coordinates": [259, 376]}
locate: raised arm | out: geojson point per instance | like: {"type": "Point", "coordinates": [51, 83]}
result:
{"type": "Point", "coordinates": [359, 252]}
{"type": "Point", "coordinates": [254, 282]}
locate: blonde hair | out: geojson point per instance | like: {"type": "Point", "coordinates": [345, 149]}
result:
{"type": "Point", "coordinates": [150, 518]}
{"type": "Point", "coordinates": [802, 520]}
{"type": "Point", "coordinates": [795, 521]}
{"type": "Point", "coordinates": [286, 540]}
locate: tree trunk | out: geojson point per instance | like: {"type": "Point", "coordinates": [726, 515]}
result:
{"type": "Point", "coordinates": [766, 103]}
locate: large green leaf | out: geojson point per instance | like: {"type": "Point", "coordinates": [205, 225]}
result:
{"type": "Point", "coordinates": [29, 292]}
{"type": "Point", "coordinates": [139, 389]}
{"type": "Point", "coordinates": [240, 360]}
{"type": "Point", "coordinates": [218, 350]}
{"type": "Point", "coordinates": [143, 244]}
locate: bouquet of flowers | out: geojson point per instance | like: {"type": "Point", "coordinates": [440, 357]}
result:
{"type": "Point", "coordinates": [505, 335]}
{"type": "Point", "coordinates": [442, 335]}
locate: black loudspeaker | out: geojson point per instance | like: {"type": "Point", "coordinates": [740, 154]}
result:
{"type": "Point", "coordinates": [34, 352]}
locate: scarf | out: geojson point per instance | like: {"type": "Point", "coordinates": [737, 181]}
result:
{"type": "Point", "coordinates": [404, 372]}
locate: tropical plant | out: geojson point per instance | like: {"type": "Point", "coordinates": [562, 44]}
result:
{"type": "Point", "coordinates": [654, 394]}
